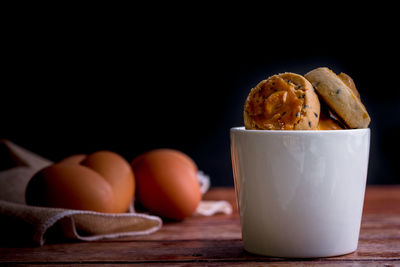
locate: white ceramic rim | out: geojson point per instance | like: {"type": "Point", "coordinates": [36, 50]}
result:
{"type": "Point", "coordinates": [242, 129]}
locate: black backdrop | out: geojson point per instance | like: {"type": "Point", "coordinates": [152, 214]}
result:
{"type": "Point", "coordinates": [84, 87]}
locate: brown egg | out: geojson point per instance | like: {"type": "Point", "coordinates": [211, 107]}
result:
{"type": "Point", "coordinates": [167, 183]}
{"type": "Point", "coordinates": [102, 181]}
{"type": "Point", "coordinates": [70, 186]}
{"type": "Point", "coordinates": [117, 172]}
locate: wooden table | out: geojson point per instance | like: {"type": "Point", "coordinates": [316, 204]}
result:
{"type": "Point", "coordinates": [216, 241]}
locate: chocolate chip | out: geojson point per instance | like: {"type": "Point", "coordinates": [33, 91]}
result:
{"type": "Point", "coordinates": [306, 106]}
{"type": "Point", "coordinates": [338, 91]}
{"type": "Point", "coordinates": [316, 115]}
{"type": "Point", "coordinates": [309, 124]}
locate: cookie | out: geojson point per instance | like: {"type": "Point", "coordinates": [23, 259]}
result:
{"type": "Point", "coordinates": [285, 101]}
{"type": "Point", "coordinates": [340, 94]}
{"type": "Point", "coordinates": [349, 82]}
{"type": "Point", "coordinates": [328, 121]}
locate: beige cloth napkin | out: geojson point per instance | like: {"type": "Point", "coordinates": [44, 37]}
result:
{"type": "Point", "coordinates": [211, 207]}
{"type": "Point", "coordinates": [17, 219]}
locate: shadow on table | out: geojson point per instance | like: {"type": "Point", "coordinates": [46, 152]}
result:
{"type": "Point", "coordinates": [20, 234]}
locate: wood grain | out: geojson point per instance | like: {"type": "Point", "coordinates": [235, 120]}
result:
{"type": "Point", "coordinates": [216, 241]}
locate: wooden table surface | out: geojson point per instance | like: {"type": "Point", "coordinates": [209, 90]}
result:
{"type": "Point", "coordinates": [216, 241]}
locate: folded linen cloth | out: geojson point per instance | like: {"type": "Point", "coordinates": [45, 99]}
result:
{"type": "Point", "coordinates": [74, 224]}
{"type": "Point", "coordinates": [17, 218]}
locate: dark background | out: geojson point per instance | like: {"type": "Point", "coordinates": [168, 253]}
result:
{"type": "Point", "coordinates": [134, 84]}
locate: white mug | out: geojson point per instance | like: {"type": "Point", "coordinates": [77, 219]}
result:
{"type": "Point", "coordinates": [300, 193]}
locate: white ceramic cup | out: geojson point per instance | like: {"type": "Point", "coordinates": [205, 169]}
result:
{"type": "Point", "coordinates": [300, 193]}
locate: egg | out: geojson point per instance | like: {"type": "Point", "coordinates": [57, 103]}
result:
{"type": "Point", "coordinates": [118, 173]}
{"type": "Point", "coordinates": [167, 183]}
{"type": "Point", "coordinates": [70, 186]}
{"type": "Point", "coordinates": [102, 181]}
